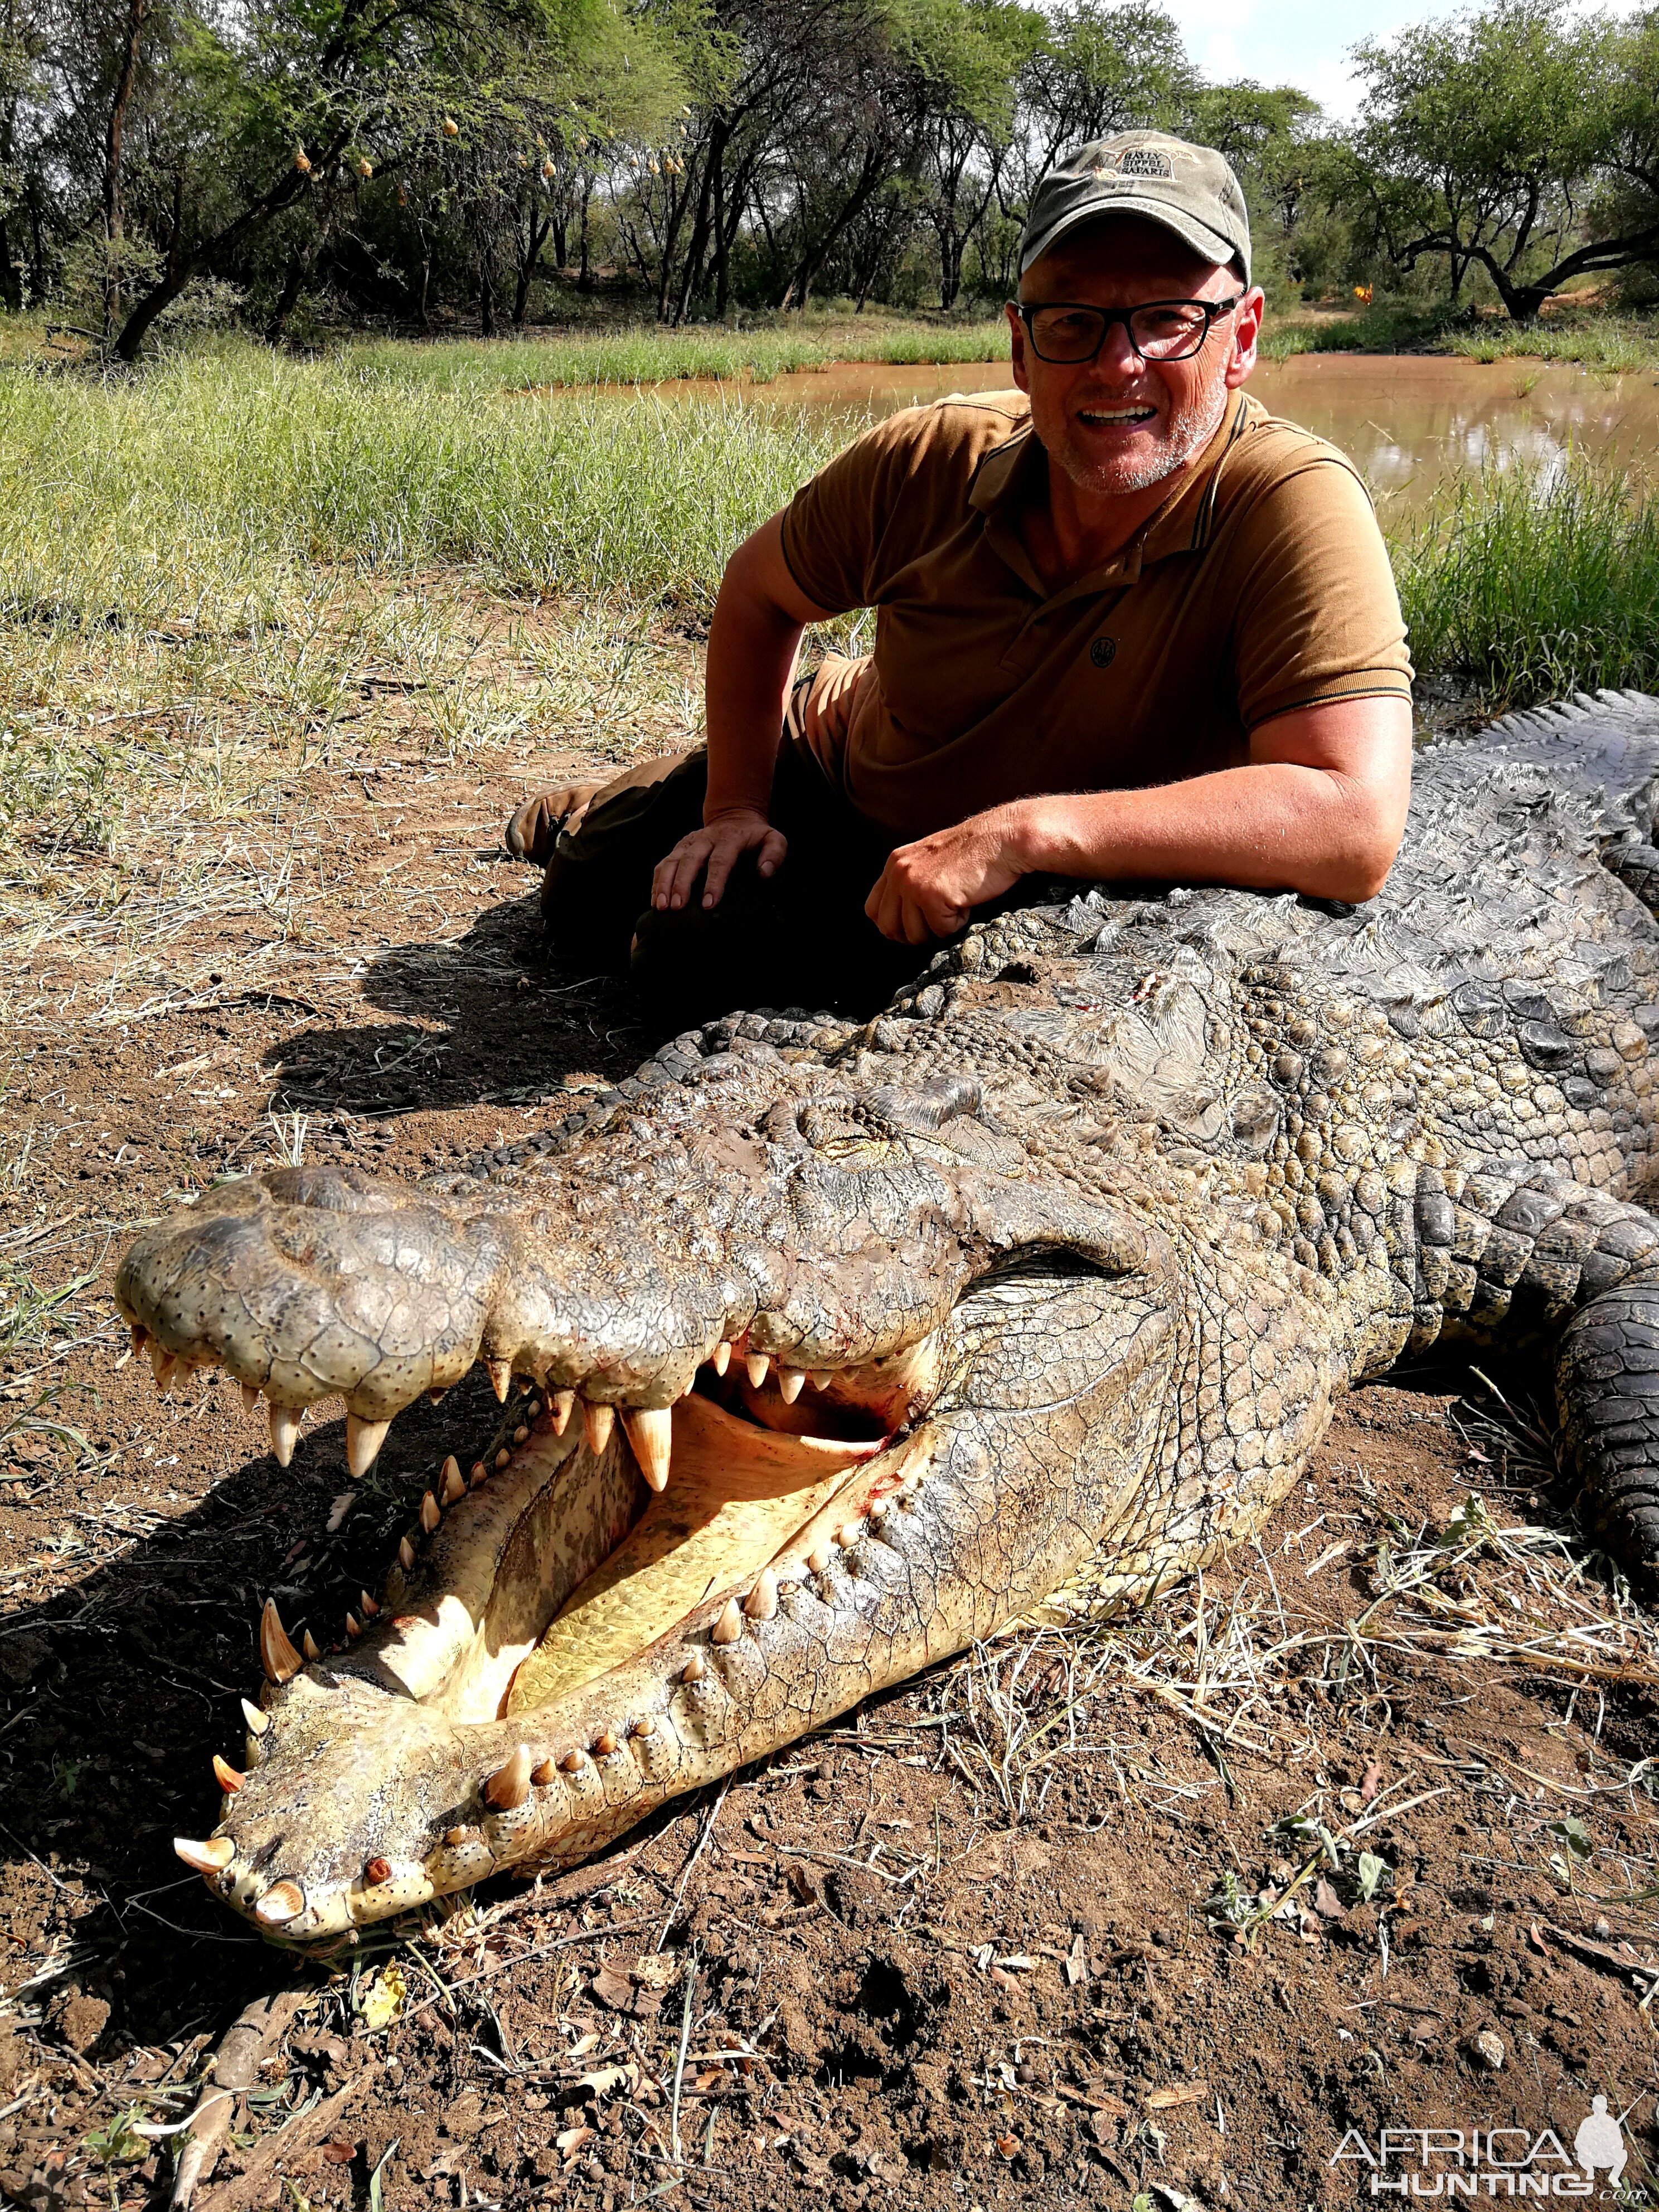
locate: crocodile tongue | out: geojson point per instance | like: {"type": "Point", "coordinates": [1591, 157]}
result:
{"type": "Point", "coordinates": [740, 1494]}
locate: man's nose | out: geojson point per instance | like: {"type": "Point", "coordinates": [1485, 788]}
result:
{"type": "Point", "coordinates": [1117, 356]}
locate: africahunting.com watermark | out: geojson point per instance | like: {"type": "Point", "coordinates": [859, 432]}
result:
{"type": "Point", "coordinates": [1491, 2162]}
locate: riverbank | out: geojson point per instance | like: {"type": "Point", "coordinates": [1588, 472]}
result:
{"type": "Point", "coordinates": [1591, 336]}
{"type": "Point", "coordinates": [258, 505]}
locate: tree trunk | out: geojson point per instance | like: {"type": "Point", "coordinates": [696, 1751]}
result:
{"type": "Point", "coordinates": [11, 279]}
{"type": "Point", "coordinates": [486, 296]}
{"type": "Point", "coordinates": [114, 131]}
{"type": "Point", "coordinates": [697, 251]}
{"type": "Point", "coordinates": [537, 239]}
{"type": "Point", "coordinates": [299, 268]}
{"type": "Point", "coordinates": [136, 329]}
{"type": "Point", "coordinates": [584, 273]}
{"type": "Point", "coordinates": [722, 262]}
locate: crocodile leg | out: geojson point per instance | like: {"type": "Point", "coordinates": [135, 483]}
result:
{"type": "Point", "coordinates": [1607, 1384]}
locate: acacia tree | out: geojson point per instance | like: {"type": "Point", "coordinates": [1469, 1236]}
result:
{"type": "Point", "coordinates": [270, 107]}
{"type": "Point", "coordinates": [1489, 140]}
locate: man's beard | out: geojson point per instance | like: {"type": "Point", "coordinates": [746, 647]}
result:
{"type": "Point", "coordinates": [1188, 434]}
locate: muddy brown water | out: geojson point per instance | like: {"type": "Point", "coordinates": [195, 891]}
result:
{"type": "Point", "coordinates": [1410, 421]}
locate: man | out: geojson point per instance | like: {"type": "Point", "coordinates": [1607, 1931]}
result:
{"type": "Point", "coordinates": [1129, 628]}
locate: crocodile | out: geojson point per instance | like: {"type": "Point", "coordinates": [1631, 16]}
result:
{"type": "Point", "coordinates": [829, 1347]}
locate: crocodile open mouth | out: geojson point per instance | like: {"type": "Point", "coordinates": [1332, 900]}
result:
{"type": "Point", "coordinates": [551, 1635]}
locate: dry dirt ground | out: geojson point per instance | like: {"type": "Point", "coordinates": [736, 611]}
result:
{"type": "Point", "coordinates": [1358, 1835]}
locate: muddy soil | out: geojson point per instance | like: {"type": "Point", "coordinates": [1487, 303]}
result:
{"type": "Point", "coordinates": [1184, 1911]}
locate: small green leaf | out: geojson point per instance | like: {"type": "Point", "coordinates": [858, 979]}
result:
{"type": "Point", "coordinates": [1575, 1835]}
{"type": "Point", "coordinates": [1373, 1871]}
{"type": "Point", "coordinates": [118, 2143]}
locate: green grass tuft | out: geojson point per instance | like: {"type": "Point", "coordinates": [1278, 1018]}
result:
{"type": "Point", "coordinates": [1525, 587]}
{"type": "Point", "coordinates": [652, 356]}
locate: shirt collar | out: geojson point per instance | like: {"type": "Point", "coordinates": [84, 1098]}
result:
{"type": "Point", "coordinates": [1015, 471]}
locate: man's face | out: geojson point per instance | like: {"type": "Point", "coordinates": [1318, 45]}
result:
{"type": "Point", "coordinates": [1118, 424]}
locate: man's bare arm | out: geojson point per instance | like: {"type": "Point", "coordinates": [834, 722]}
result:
{"type": "Point", "coordinates": [752, 645]}
{"type": "Point", "coordinates": [1320, 808]}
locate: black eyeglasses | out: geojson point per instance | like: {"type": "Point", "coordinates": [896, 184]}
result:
{"type": "Point", "coordinates": [1063, 331]}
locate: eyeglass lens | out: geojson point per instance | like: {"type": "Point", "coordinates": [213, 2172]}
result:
{"type": "Point", "coordinates": [1168, 330]}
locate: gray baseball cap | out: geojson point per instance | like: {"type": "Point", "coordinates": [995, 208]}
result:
{"type": "Point", "coordinates": [1190, 190]}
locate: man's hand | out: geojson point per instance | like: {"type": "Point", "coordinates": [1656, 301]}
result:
{"type": "Point", "coordinates": [928, 889]}
{"type": "Point", "coordinates": [712, 852]}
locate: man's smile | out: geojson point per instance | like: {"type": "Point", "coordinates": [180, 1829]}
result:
{"type": "Point", "coordinates": [1132, 414]}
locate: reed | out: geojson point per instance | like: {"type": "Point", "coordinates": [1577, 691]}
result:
{"type": "Point", "coordinates": [1528, 586]}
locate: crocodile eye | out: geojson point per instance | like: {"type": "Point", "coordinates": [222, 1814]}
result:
{"type": "Point", "coordinates": [860, 1150]}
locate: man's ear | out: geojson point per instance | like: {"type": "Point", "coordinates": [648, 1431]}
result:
{"type": "Point", "coordinates": [1017, 354]}
{"type": "Point", "coordinates": [1246, 328]}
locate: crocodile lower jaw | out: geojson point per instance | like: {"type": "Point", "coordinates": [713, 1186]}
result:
{"type": "Point", "coordinates": [549, 1657]}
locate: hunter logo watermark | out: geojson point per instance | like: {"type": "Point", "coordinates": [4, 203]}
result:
{"type": "Point", "coordinates": [1507, 2162]}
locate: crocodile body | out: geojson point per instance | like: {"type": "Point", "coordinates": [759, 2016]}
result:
{"type": "Point", "coordinates": [1075, 1244]}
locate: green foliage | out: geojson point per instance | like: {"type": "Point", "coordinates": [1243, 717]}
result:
{"type": "Point", "coordinates": [1486, 141]}
{"type": "Point", "coordinates": [1525, 589]}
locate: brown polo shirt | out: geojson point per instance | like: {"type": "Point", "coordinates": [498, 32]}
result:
{"type": "Point", "coordinates": [1261, 585]}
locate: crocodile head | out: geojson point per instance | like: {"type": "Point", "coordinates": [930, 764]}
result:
{"type": "Point", "coordinates": [818, 1380]}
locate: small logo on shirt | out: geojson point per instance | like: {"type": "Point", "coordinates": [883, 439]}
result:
{"type": "Point", "coordinates": [1103, 652]}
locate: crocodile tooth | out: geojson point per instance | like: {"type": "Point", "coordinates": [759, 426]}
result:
{"type": "Point", "coordinates": [729, 1626]}
{"type": "Point", "coordinates": [818, 1559]}
{"type": "Point", "coordinates": [454, 1837]}
{"type": "Point", "coordinates": [848, 1534]}
{"type": "Point", "coordinates": [533, 1410]}
{"type": "Point", "coordinates": [722, 1356]}
{"type": "Point", "coordinates": [819, 1378]}
{"type": "Point", "coordinates": [249, 1399]}
{"type": "Point", "coordinates": [756, 1364]}
{"type": "Point", "coordinates": [692, 1670]}
{"type": "Point", "coordinates": [161, 1361]}
{"type": "Point", "coordinates": [276, 1655]}
{"type": "Point", "coordinates": [509, 1785]}
{"type": "Point", "coordinates": [257, 1717]}
{"type": "Point", "coordinates": [651, 1432]}
{"type": "Point", "coordinates": [480, 1473]}
{"type": "Point", "coordinates": [542, 1774]}
{"type": "Point", "coordinates": [761, 1601]}
{"type": "Point", "coordinates": [792, 1381]}
{"type": "Point", "coordinates": [308, 1646]}
{"type": "Point", "coordinates": [140, 1336]}
{"type": "Point", "coordinates": [596, 1425]}
{"type": "Point", "coordinates": [453, 1486]}
{"type": "Point", "coordinates": [645, 1725]}
{"type": "Point", "coordinates": [878, 1509]}
{"type": "Point", "coordinates": [284, 1434]}
{"type": "Point", "coordinates": [210, 1858]}
{"type": "Point", "coordinates": [225, 1776]}
{"type": "Point", "coordinates": [604, 1745]}
{"type": "Point", "coordinates": [279, 1906]}
{"type": "Point", "coordinates": [521, 1434]}
{"type": "Point", "coordinates": [503, 1457]}
{"type": "Point", "coordinates": [376, 1872]}
{"type": "Point", "coordinates": [573, 1762]}
{"type": "Point", "coordinates": [370, 1607]}
{"type": "Point", "coordinates": [500, 1372]}
{"type": "Point", "coordinates": [405, 1554]}
{"type": "Point", "coordinates": [561, 1407]}
{"type": "Point", "coordinates": [430, 1516]}
{"type": "Point", "coordinates": [435, 1396]}
{"type": "Point", "coordinates": [363, 1442]}
{"type": "Point", "coordinates": [353, 1628]}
